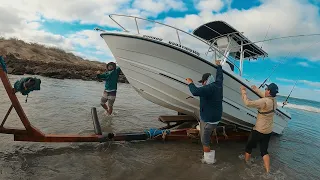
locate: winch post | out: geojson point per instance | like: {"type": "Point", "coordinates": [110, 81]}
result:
{"type": "Point", "coordinates": [96, 123]}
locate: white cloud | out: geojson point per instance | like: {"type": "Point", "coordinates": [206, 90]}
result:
{"type": "Point", "coordinates": [286, 80]}
{"type": "Point", "coordinates": [8, 20]}
{"type": "Point", "coordinates": [304, 64]}
{"type": "Point", "coordinates": [99, 52]}
{"type": "Point", "coordinates": [82, 10]}
{"type": "Point", "coordinates": [43, 37]}
{"type": "Point", "coordinates": [306, 82]}
{"type": "Point", "coordinates": [13, 23]}
{"type": "Point", "coordinates": [23, 19]}
{"type": "Point", "coordinates": [279, 16]}
{"type": "Point", "coordinates": [93, 12]}
{"type": "Point", "coordinates": [298, 92]}
{"type": "Point", "coordinates": [310, 83]}
{"type": "Point", "coordinates": [210, 5]}
{"type": "Point", "coordinates": [155, 7]}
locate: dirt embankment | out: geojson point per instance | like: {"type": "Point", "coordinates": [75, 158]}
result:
{"type": "Point", "coordinates": [36, 59]}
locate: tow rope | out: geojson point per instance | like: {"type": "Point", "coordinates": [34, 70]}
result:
{"type": "Point", "coordinates": [152, 133]}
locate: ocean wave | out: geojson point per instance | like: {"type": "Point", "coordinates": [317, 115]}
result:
{"type": "Point", "coordinates": [301, 107]}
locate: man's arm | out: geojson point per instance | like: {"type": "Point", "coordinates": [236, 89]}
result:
{"type": "Point", "coordinates": [260, 103]}
{"type": "Point", "coordinates": [219, 75]}
{"type": "Point", "coordinates": [255, 89]}
{"type": "Point", "coordinates": [200, 91]}
{"type": "Point", "coordinates": [103, 76]}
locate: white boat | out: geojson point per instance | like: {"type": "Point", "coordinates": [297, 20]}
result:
{"type": "Point", "coordinates": [157, 67]}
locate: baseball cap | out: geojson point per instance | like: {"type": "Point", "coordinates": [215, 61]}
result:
{"type": "Point", "coordinates": [112, 64]}
{"type": "Point", "coordinates": [204, 77]}
{"type": "Point", "coordinates": [273, 88]}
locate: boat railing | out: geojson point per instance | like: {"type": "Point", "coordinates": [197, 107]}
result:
{"type": "Point", "coordinates": [210, 45]}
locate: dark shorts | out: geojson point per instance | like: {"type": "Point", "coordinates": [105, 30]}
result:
{"type": "Point", "coordinates": [109, 97]}
{"type": "Point", "coordinates": [257, 137]}
{"type": "Point", "coordinates": [206, 130]}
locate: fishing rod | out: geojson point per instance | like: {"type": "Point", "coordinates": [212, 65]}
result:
{"type": "Point", "coordinates": [285, 102]}
{"type": "Point", "coordinates": [276, 38]}
{"type": "Point", "coordinates": [277, 65]}
{"type": "Point", "coordinates": [265, 36]}
{"type": "Point", "coordinates": [274, 68]}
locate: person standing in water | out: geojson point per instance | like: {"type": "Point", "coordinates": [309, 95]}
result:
{"type": "Point", "coordinates": [211, 95]}
{"type": "Point", "coordinates": [262, 130]}
{"type": "Point", "coordinates": [110, 91]}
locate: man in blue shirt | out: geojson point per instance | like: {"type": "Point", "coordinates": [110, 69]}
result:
{"type": "Point", "coordinates": [211, 95]}
{"type": "Point", "coordinates": [110, 90]}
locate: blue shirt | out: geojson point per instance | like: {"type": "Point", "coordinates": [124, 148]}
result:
{"type": "Point", "coordinates": [211, 96]}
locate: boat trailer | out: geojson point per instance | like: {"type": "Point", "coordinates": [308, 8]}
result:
{"type": "Point", "coordinates": [32, 134]}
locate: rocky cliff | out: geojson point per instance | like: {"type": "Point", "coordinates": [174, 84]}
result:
{"type": "Point", "coordinates": [30, 58]}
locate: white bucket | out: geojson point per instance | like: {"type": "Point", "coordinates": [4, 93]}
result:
{"type": "Point", "coordinates": [209, 157]}
{"type": "Point", "coordinates": [198, 127]}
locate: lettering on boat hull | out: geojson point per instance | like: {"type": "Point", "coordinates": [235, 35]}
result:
{"type": "Point", "coordinates": [185, 48]}
{"type": "Point", "coordinates": [151, 37]}
{"type": "Point", "coordinates": [174, 44]}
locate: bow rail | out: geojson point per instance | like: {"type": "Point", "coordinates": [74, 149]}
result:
{"type": "Point", "coordinates": [211, 48]}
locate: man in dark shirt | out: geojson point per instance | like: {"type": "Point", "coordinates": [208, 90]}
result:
{"type": "Point", "coordinates": [211, 95]}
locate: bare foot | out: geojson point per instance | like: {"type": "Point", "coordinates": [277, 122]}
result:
{"type": "Point", "coordinates": [106, 113]}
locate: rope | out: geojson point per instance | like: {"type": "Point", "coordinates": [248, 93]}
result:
{"type": "Point", "coordinates": [152, 133]}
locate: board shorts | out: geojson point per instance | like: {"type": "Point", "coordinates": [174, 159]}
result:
{"type": "Point", "coordinates": [109, 97]}
{"type": "Point", "coordinates": [257, 137]}
{"type": "Point", "coordinates": [206, 130]}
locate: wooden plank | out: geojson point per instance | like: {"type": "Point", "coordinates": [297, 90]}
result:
{"type": "Point", "coordinates": [177, 118]}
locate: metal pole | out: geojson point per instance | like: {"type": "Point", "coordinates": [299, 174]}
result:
{"type": "Point", "coordinates": [135, 19]}
{"type": "Point", "coordinates": [241, 59]}
{"type": "Point", "coordinates": [226, 52]}
{"type": "Point", "coordinates": [178, 36]}
{"type": "Point", "coordinates": [118, 23]}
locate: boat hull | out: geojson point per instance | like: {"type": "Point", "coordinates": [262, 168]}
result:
{"type": "Point", "coordinates": [157, 71]}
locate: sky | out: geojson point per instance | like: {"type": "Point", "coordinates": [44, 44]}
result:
{"type": "Point", "coordinates": [69, 25]}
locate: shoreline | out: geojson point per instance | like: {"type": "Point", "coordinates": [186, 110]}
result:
{"type": "Point", "coordinates": [57, 70]}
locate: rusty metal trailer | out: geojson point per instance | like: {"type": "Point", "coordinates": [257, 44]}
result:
{"type": "Point", "coordinates": [33, 134]}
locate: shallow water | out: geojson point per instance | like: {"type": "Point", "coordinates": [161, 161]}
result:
{"type": "Point", "coordinates": [63, 106]}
